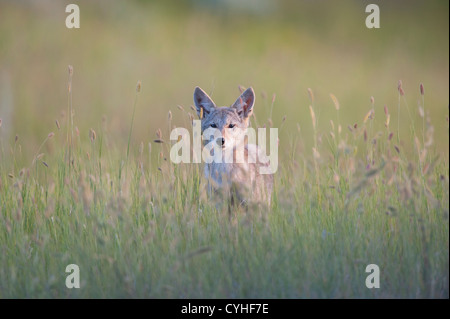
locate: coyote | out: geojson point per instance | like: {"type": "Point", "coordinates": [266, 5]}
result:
{"type": "Point", "coordinates": [239, 179]}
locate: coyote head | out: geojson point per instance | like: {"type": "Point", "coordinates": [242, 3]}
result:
{"type": "Point", "coordinates": [225, 125]}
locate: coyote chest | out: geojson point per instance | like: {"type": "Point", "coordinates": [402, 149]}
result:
{"type": "Point", "coordinates": [243, 181]}
{"type": "Point", "coordinates": [236, 166]}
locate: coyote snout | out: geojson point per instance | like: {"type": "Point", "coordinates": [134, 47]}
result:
{"type": "Point", "coordinates": [236, 168]}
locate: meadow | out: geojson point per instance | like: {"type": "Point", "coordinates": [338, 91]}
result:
{"type": "Point", "coordinates": [86, 177]}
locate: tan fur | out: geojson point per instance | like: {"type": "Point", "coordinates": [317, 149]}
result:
{"type": "Point", "coordinates": [242, 182]}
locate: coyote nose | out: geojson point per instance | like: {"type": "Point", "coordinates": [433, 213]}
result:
{"type": "Point", "coordinates": [221, 141]}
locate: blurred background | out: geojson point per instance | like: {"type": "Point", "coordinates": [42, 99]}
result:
{"type": "Point", "coordinates": [279, 48]}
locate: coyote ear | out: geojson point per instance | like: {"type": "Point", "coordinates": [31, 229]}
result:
{"type": "Point", "coordinates": [202, 101]}
{"type": "Point", "coordinates": [244, 103]}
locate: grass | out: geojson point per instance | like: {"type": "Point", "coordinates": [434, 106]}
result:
{"type": "Point", "coordinates": [154, 234]}
{"type": "Point", "coordinates": [356, 185]}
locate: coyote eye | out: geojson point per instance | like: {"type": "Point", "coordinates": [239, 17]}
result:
{"type": "Point", "coordinates": [231, 125]}
{"type": "Point", "coordinates": [213, 125]}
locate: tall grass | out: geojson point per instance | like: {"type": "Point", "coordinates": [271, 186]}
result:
{"type": "Point", "coordinates": [154, 233]}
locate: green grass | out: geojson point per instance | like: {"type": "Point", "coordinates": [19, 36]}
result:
{"type": "Point", "coordinates": [152, 233]}
{"type": "Point", "coordinates": [140, 226]}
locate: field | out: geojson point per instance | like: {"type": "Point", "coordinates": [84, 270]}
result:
{"type": "Point", "coordinates": [362, 116]}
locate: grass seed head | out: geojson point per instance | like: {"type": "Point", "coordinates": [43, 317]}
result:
{"type": "Point", "coordinates": [421, 112]}
{"type": "Point", "coordinates": [159, 133]}
{"type": "Point", "coordinates": [388, 118]}
{"type": "Point", "coordinates": [332, 135]}
{"type": "Point", "coordinates": [368, 116]}
{"type": "Point", "coordinates": [313, 116]}
{"type": "Point", "coordinates": [92, 135]}
{"type": "Point", "coordinates": [400, 88]}
{"type": "Point", "coordinates": [311, 95]}
{"type": "Point", "coordinates": [335, 101]}
{"type": "Point", "coordinates": [316, 153]}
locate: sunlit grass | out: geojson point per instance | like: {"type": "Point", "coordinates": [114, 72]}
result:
{"type": "Point", "coordinates": [85, 174]}
{"type": "Point", "coordinates": [154, 233]}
